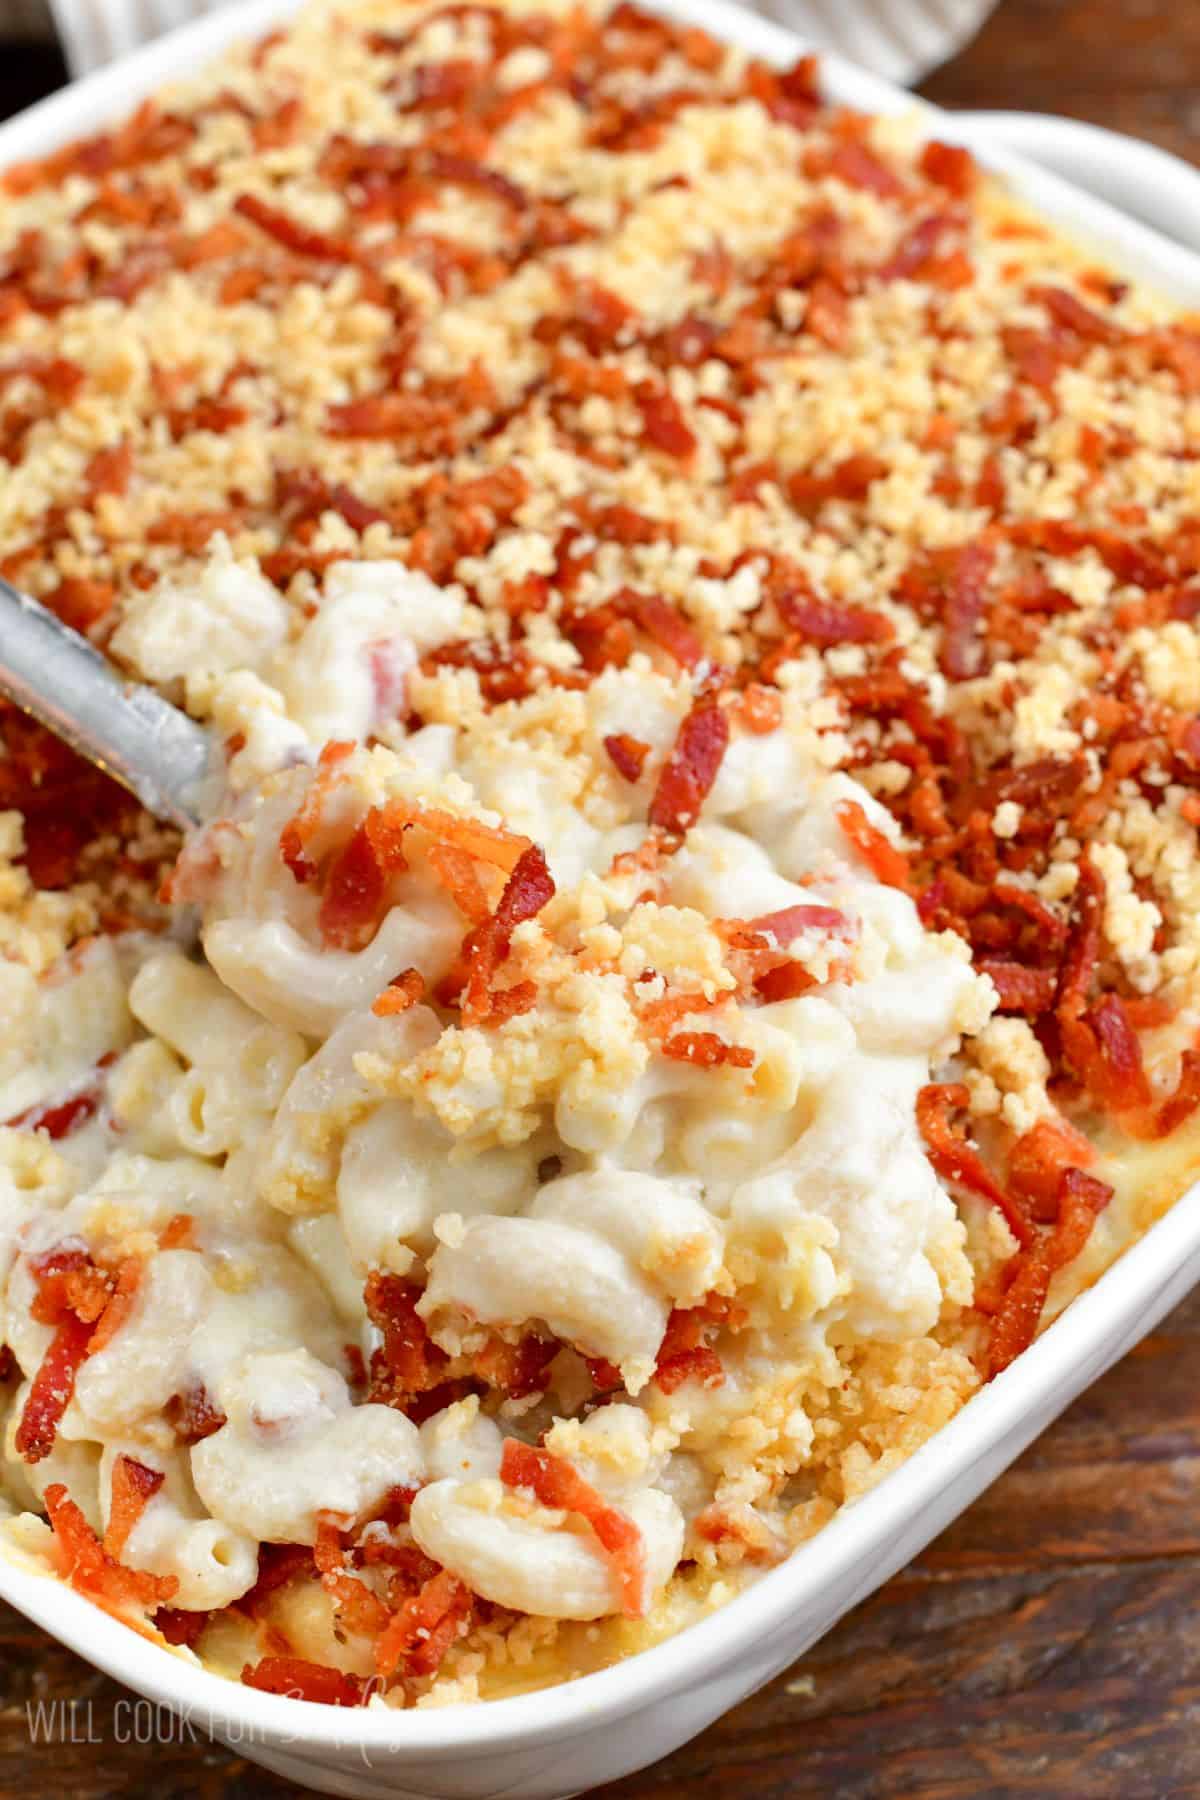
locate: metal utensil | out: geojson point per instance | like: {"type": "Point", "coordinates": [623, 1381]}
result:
{"type": "Point", "coordinates": [124, 727]}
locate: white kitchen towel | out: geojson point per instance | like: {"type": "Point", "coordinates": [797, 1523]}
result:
{"type": "Point", "coordinates": [902, 39]}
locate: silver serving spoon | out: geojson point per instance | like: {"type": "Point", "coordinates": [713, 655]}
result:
{"type": "Point", "coordinates": [124, 727]}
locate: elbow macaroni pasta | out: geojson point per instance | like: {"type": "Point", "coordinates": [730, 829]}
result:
{"type": "Point", "coordinates": [536, 1197]}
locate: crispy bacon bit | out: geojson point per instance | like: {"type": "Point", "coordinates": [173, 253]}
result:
{"type": "Point", "coordinates": [86, 1305]}
{"type": "Point", "coordinates": [278, 1564]}
{"type": "Point", "coordinates": [486, 945]}
{"type": "Point", "coordinates": [556, 1484]}
{"type": "Point", "coordinates": [359, 1609]}
{"type": "Point", "coordinates": [849, 480]}
{"type": "Point", "coordinates": [759, 709]}
{"type": "Point", "coordinates": [89, 1567]}
{"type": "Point", "coordinates": [628, 754]}
{"type": "Point", "coordinates": [1081, 1199]}
{"type": "Point", "coordinates": [407, 1364]}
{"type": "Point", "coordinates": [133, 1487]}
{"type": "Point", "coordinates": [786, 981]}
{"type": "Point", "coordinates": [124, 1292]}
{"type": "Point", "coordinates": [663, 423]}
{"type": "Point", "coordinates": [1114, 1073]}
{"type": "Point", "coordinates": [194, 1414]}
{"type": "Point", "coordinates": [1021, 990]}
{"type": "Point", "coordinates": [949, 166]}
{"type": "Point", "coordinates": [1038, 1160]}
{"type": "Point", "coordinates": [300, 239]}
{"type": "Point", "coordinates": [662, 622]}
{"type": "Point", "coordinates": [179, 1627]}
{"type": "Point", "coordinates": [400, 993]}
{"type": "Point", "coordinates": [791, 921]}
{"type": "Point", "coordinates": [859, 167]}
{"type": "Point", "coordinates": [303, 826]}
{"type": "Point", "coordinates": [395, 416]}
{"type": "Point", "coordinates": [1068, 310]}
{"type": "Point", "coordinates": [886, 863]}
{"type": "Point", "coordinates": [957, 1160]}
{"type": "Point", "coordinates": [915, 254]}
{"type": "Point", "coordinates": [688, 774]}
{"type": "Point", "coordinates": [301, 1680]}
{"type": "Point", "coordinates": [108, 472]}
{"type": "Point", "coordinates": [459, 875]}
{"type": "Point", "coordinates": [828, 622]}
{"type": "Point", "coordinates": [354, 893]}
{"type": "Point", "coordinates": [51, 1389]}
{"type": "Point", "coordinates": [705, 1050]}
{"type": "Point", "coordinates": [961, 652]}
{"type": "Point", "coordinates": [419, 1634]}
{"type": "Point", "coordinates": [517, 1370]}
{"type": "Point", "coordinates": [684, 1354]}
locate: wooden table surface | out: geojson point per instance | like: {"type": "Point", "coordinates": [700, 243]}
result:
{"type": "Point", "coordinates": [1049, 1643]}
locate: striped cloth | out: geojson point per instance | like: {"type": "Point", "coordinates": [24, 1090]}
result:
{"type": "Point", "coordinates": [901, 39]}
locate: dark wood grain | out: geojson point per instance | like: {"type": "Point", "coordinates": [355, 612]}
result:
{"type": "Point", "coordinates": [1049, 1642]}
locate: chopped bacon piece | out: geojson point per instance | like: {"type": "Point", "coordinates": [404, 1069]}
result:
{"type": "Point", "coordinates": [1114, 1072]}
{"type": "Point", "coordinates": [303, 825]}
{"type": "Point", "coordinates": [401, 992]}
{"type": "Point", "coordinates": [517, 1370]}
{"type": "Point", "coordinates": [663, 423]}
{"type": "Point", "coordinates": [683, 1354]}
{"type": "Point", "coordinates": [705, 1050]}
{"type": "Point", "coordinates": [51, 1389]}
{"type": "Point", "coordinates": [828, 622]}
{"type": "Point", "coordinates": [277, 1565]}
{"type": "Point", "coordinates": [961, 652]}
{"type": "Point", "coordinates": [787, 924]}
{"type": "Point", "coordinates": [125, 1287]}
{"type": "Point", "coordinates": [89, 1567]}
{"type": "Point", "coordinates": [407, 1363]}
{"type": "Point", "coordinates": [133, 1487]}
{"type": "Point", "coordinates": [354, 893]}
{"type": "Point", "coordinates": [302, 1680]}
{"type": "Point", "coordinates": [628, 754]}
{"type": "Point", "coordinates": [786, 981]}
{"type": "Point", "coordinates": [458, 874]}
{"type": "Point", "coordinates": [950, 166]}
{"type": "Point", "coordinates": [557, 1484]}
{"type": "Point", "coordinates": [108, 472]}
{"type": "Point", "coordinates": [688, 774]}
{"type": "Point", "coordinates": [179, 1627]}
{"type": "Point", "coordinates": [1068, 309]}
{"type": "Point", "coordinates": [1038, 1160]}
{"type": "Point", "coordinates": [859, 167]}
{"type": "Point", "coordinates": [486, 945]}
{"type": "Point", "coordinates": [194, 1414]}
{"type": "Point", "coordinates": [956, 1159]}
{"type": "Point", "coordinates": [850, 479]}
{"type": "Point", "coordinates": [886, 863]}
{"type": "Point", "coordinates": [419, 1634]}
{"type": "Point", "coordinates": [915, 254]}
{"type": "Point", "coordinates": [1081, 1199]}
{"type": "Point", "coordinates": [359, 1609]}
{"type": "Point", "coordinates": [291, 234]}
{"type": "Point", "coordinates": [1021, 990]}
{"type": "Point", "coordinates": [662, 622]}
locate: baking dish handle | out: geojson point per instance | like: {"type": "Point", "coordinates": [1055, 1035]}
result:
{"type": "Point", "coordinates": [1151, 184]}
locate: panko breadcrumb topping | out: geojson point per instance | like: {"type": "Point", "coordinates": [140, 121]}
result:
{"type": "Point", "coordinates": [708, 448]}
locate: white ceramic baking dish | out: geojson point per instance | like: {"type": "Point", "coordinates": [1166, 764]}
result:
{"type": "Point", "coordinates": [561, 1742]}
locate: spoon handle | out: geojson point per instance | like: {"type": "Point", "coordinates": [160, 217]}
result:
{"type": "Point", "coordinates": [125, 728]}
